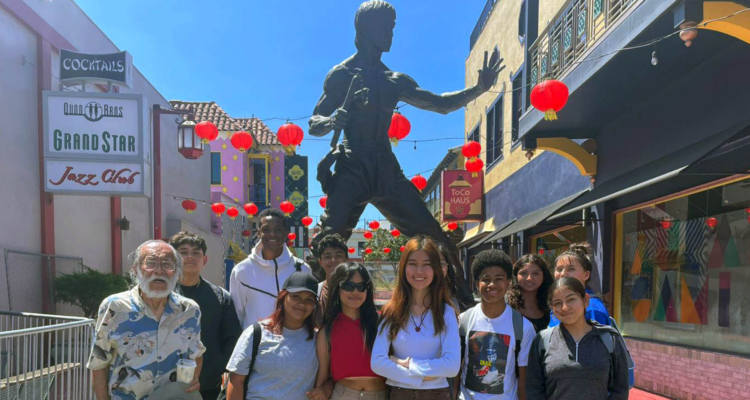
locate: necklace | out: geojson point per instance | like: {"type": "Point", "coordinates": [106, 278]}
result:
{"type": "Point", "coordinates": [421, 321]}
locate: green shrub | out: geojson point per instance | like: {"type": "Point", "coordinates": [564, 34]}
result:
{"type": "Point", "coordinates": [88, 289]}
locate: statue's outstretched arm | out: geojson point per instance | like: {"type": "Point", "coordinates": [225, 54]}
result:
{"type": "Point", "coordinates": [447, 102]}
{"type": "Point", "coordinates": [326, 115]}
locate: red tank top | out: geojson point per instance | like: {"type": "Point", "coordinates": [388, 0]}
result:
{"type": "Point", "coordinates": [349, 356]}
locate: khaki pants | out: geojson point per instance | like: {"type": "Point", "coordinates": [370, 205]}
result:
{"type": "Point", "coordinates": [398, 393]}
{"type": "Point", "coordinates": [341, 392]}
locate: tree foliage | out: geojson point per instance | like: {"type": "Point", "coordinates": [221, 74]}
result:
{"type": "Point", "coordinates": [382, 239]}
{"type": "Point", "coordinates": [88, 289]}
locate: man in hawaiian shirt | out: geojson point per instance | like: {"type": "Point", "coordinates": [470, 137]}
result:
{"type": "Point", "coordinates": [142, 333]}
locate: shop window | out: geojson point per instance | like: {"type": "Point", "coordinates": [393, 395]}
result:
{"type": "Point", "coordinates": [549, 245]}
{"type": "Point", "coordinates": [495, 131]}
{"type": "Point", "coordinates": [215, 168]}
{"type": "Point", "coordinates": [684, 269]}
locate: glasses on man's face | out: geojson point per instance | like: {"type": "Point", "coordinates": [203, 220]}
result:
{"type": "Point", "coordinates": [349, 286]}
{"type": "Point", "coordinates": [150, 264]}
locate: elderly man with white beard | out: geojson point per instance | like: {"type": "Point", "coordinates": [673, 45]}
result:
{"type": "Point", "coordinates": [141, 334]}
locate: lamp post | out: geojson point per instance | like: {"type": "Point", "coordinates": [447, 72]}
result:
{"type": "Point", "coordinates": [188, 144]}
{"type": "Point", "coordinates": [157, 113]}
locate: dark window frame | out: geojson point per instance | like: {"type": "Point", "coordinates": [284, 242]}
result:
{"type": "Point", "coordinates": [494, 131]}
{"type": "Point", "coordinates": [517, 104]}
{"type": "Point", "coordinates": [215, 182]}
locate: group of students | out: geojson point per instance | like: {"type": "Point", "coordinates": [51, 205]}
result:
{"type": "Point", "coordinates": [553, 342]}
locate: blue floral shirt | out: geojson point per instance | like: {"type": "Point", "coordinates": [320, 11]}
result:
{"type": "Point", "coordinates": [141, 351]}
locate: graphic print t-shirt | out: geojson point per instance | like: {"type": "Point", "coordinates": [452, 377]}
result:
{"type": "Point", "coordinates": [490, 361]}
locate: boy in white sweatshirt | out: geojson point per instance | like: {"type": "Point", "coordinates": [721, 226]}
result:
{"type": "Point", "coordinates": [255, 282]}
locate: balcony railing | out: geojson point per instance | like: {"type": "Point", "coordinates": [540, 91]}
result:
{"type": "Point", "coordinates": [576, 29]}
{"type": "Point", "coordinates": [483, 17]}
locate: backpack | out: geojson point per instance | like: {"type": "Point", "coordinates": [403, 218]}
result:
{"type": "Point", "coordinates": [463, 331]}
{"type": "Point", "coordinates": [608, 338]}
{"type": "Point", "coordinates": [257, 333]}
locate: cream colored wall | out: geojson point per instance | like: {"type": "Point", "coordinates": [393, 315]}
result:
{"type": "Point", "coordinates": [501, 30]}
{"type": "Point", "coordinates": [548, 10]}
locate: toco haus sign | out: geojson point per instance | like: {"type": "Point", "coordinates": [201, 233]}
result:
{"type": "Point", "coordinates": [115, 67]}
{"type": "Point", "coordinates": [96, 143]}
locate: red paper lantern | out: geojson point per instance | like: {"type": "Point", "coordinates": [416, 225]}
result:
{"type": "Point", "coordinates": [395, 233]}
{"type": "Point", "coordinates": [246, 233]}
{"type": "Point", "coordinates": [218, 208]}
{"type": "Point", "coordinates": [402, 248]}
{"type": "Point", "coordinates": [189, 205]}
{"type": "Point", "coordinates": [307, 221]}
{"type": "Point", "coordinates": [541, 251]}
{"type": "Point", "coordinates": [290, 136]}
{"type": "Point", "coordinates": [323, 201]}
{"type": "Point", "coordinates": [419, 181]}
{"type": "Point", "coordinates": [368, 235]}
{"type": "Point", "coordinates": [666, 224]}
{"type": "Point", "coordinates": [206, 131]}
{"type": "Point", "coordinates": [233, 212]}
{"type": "Point", "coordinates": [549, 97]}
{"type": "Point", "coordinates": [374, 225]}
{"type": "Point", "coordinates": [351, 250]}
{"type": "Point", "coordinates": [712, 222]}
{"type": "Point", "coordinates": [386, 250]}
{"type": "Point", "coordinates": [474, 166]}
{"type": "Point", "coordinates": [287, 207]}
{"type": "Point", "coordinates": [471, 149]}
{"type": "Point", "coordinates": [251, 209]}
{"type": "Point", "coordinates": [368, 250]}
{"type": "Point", "coordinates": [291, 236]}
{"type": "Point", "coordinates": [400, 128]}
{"type": "Point", "coordinates": [452, 226]}
{"type": "Point", "coordinates": [242, 141]}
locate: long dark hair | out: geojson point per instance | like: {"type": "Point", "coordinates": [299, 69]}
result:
{"type": "Point", "coordinates": [456, 285]}
{"type": "Point", "coordinates": [567, 283]}
{"type": "Point", "coordinates": [395, 314]}
{"type": "Point", "coordinates": [368, 314]}
{"type": "Point", "coordinates": [515, 295]}
{"type": "Point", "coordinates": [276, 320]}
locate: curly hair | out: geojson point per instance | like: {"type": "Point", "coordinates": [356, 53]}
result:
{"type": "Point", "coordinates": [515, 296]}
{"type": "Point", "coordinates": [272, 213]}
{"type": "Point", "coordinates": [488, 259]}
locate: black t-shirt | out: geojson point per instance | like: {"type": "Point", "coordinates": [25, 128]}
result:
{"type": "Point", "coordinates": [220, 329]}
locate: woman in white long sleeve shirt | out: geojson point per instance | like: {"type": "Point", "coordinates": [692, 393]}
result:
{"type": "Point", "coordinates": [418, 345]}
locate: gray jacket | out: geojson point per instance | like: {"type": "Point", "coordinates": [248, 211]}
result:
{"type": "Point", "coordinates": [566, 370]}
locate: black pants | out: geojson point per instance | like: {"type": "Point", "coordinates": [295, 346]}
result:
{"type": "Point", "coordinates": [375, 177]}
{"type": "Point", "coordinates": [210, 394]}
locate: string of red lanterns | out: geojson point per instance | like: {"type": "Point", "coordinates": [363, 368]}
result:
{"type": "Point", "coordinates": [206, 131]}
{"type": "Point", "coordinates": [290, 136]}
{"type": "Point", "coordinates": [189, 205]}
{"type": "Point", "coordinates": [419, 181]}
{"type": "Point", "coordinates": [549, 97]}
{"type": "Point", "coordinates": [399, 129]}
{"type": "Point", "coordinates": [242, 141]}
{"type": "Point", "coordinates": [233, 212]}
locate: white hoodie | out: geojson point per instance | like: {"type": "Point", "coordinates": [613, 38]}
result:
{"type": "Point", "coordinates": [255, 283]}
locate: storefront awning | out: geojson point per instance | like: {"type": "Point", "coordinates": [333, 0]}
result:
{"type": "Point", "coordinates": [683, 161]}
{"type": "Point", "coordinates": [478, 232]}
{"type": "Point", "coordinates": [485, 239]}
{"type": "Point", "coordinates": [533, 219]}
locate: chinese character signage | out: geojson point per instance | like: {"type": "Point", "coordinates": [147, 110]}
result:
{"type": "Point", "coordinates": [295, 181]}
{"type": "Point", "coordinates": [462, 197]}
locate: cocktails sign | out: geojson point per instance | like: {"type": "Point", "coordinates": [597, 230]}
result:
{"type": "Point", "coordinates": [115, 67]}
{"type": "Point", "coordinates": [94, 143]}
{"type": "Point", "coordinates": [462, 196]}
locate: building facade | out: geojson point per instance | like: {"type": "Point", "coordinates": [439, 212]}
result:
{"type": "Point", "coordinates": [39, 225]}
{"type": "Point", "coordinates": [650, 153]}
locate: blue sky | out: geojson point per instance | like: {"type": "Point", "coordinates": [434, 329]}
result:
{"type": "Point", "coordinates": [269, 59]}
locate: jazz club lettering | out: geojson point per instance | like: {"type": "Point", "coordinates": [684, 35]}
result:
{"type": "Point", "coordinates": [124, 176]}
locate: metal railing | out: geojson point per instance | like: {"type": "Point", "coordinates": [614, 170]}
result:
{"type": "Point", "coordinates": [579, 25]}
{"type": "Point", "coordinates": [44, 357]}
{"type": "Point", "coordinates": [30, 278]}
{"type": "Point", "coordinates": [483, 17]}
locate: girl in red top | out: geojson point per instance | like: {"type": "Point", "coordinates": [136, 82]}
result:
{"type": "Point", "coordinates": [345, 340]}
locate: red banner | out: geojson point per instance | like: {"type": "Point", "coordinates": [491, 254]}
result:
{"type": "Point", "coordinates": [462, 196]}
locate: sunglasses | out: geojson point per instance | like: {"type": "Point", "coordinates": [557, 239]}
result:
{"type": "Point", "coordinates": [349, 286]}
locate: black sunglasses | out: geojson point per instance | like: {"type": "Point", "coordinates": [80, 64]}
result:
{"type": "Point", "coordinates": [349, 286]}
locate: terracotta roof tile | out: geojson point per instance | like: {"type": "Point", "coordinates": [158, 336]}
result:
{"type": "Point", "coordinates": [210, 111]}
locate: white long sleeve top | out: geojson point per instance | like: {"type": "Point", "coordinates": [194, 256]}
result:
{"type": "Point", "coordinates": [429, 355]}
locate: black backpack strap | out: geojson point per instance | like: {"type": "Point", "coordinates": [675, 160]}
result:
{"type": "Point", "coordinates": [517, 333]}
{"type": "Point", "coordinates": [298, 265]}
{"type": "Point", "coordinates": [257, 333]}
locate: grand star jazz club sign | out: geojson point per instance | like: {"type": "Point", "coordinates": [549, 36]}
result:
{"type": "Point", "coordinates": [94, 144]}
{"type": "Point", "coordinates": [462, 196]}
